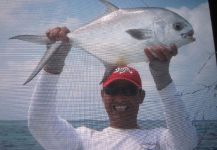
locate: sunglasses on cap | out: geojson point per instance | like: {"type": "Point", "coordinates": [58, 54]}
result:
{"type": "Point", "coordinates": [129, 90]}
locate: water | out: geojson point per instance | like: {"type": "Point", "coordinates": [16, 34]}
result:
{"type": "Point", "coordinates": [14, 135]}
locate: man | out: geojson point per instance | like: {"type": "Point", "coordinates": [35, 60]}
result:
{"type": "Point", "coordinates": [122, 94]}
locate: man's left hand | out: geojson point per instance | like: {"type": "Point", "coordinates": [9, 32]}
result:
{"type": "Point", "coordinates": [159, 57]}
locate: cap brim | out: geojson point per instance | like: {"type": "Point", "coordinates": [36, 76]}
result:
{"type": "Point", "coordinates": [125, 79]}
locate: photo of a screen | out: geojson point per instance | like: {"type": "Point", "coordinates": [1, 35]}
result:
{"type": "Point", "coordinates": [108, 74]}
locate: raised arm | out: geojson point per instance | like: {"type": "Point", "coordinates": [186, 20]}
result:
{"type": "Point", "coordinates": [50, 130]}
{"type": "Point", "coordinates": [181, 135]}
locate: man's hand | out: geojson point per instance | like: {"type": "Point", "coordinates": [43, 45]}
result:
{"type": "Point", "coordinates": [159, 57]}
{"type": "Point", "coordinates": [58, 34]}
{"type": "Point", "coordinates": [56, 63]}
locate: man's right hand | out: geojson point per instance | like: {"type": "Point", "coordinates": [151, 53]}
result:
{"type": "Point", "coordinates": [56, 63]}
{"type": "Point", "coordinates": [58, 34]}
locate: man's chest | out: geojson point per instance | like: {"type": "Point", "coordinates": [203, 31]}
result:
{"type": "Point", "coordinates": [121, 142]}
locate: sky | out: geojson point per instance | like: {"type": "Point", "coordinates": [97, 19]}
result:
{"type": "Point", "coordinates": [193, 69]}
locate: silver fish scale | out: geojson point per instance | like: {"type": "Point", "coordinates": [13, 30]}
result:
{"type": "Point", "coordinates": [107, 39]}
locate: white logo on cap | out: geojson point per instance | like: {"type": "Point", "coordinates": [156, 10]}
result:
{"type": "Point", "coordinates": [123, 70]}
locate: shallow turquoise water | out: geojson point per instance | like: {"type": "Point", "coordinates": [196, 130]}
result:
{"type": "Point", "coordinates": [14, 135]}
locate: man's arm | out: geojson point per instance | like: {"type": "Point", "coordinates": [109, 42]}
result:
{"type": "Point", "coordinates": [181, 135]}
{"type": "Point", "coordinates": [50, 130]}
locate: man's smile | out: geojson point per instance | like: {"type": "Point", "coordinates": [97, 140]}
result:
{"type": "Point", "coordinates": [120, 108]}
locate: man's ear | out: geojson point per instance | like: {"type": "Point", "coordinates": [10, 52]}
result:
{"type": "Point", "coordinates": [102, 93]}
{"type": "Point", "coordinates": [141, 96]}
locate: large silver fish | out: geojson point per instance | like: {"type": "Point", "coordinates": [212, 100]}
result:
{"type": "Point", "coordinates": [120, 36]}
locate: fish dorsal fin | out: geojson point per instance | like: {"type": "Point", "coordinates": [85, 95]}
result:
{"type": "Point", "coordinates": [140, 34]}
{"type": "Point", "coordinates": [110, 7]}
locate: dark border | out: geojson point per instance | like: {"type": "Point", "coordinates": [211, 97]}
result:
{"type": "Point", "coordinates": [213, 11]}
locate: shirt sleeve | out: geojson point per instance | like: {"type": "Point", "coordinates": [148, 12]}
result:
{"type": "Point", "coordinates": [181, 134]}
{"type": "Point", "coordinates": [50, 130]}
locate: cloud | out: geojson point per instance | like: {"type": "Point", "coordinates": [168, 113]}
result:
{"type": "Point", "coordinates": [11, 9]}
{"type": "Point", "coordinates": [32, 17]}
{"type": "Point", "coordinates": [70, 23]}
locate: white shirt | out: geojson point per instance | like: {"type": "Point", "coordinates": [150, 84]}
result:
{"type": "Point", "coordinates": [55, 133]}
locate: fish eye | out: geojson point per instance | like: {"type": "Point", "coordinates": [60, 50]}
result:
{"type": "Point", "coordinates": [178, 26]}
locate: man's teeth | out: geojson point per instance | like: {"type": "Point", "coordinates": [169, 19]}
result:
{"type": "Point", "coordinates": [120, 108]}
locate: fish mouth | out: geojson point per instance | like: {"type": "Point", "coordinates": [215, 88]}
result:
{"type": "Point", "coordinates": [188, 35]}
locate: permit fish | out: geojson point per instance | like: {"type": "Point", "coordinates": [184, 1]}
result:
{"type": "Point", "coordinates": [120, 36]}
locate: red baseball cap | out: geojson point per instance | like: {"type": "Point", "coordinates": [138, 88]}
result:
{"type": "Point", "coordinates": [124, 73]}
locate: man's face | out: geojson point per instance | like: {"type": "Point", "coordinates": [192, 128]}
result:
{"type": "Point", "coordinates": [121, 99]}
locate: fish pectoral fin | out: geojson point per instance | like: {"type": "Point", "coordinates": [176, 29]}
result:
{"type": "Point", "coordinates": [48, 54]}
{"type": "Point", "coordinates": [110, 7]}
{"type": "Point", "coordinates": [140, 34]}
{"type": "Point", "coordinates": [108, 71]}
{"type": "Point", "coordinates": [38, 39]}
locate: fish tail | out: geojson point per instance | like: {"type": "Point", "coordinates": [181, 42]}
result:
{"type": "Point", "coordinates": [37, 39]}
{"type": "Point", "coordinates": [51, 49]}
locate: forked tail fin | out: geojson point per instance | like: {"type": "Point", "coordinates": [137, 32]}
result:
{"type": "Point", "coordinates": [47, 55]}
{"type": "Point", "coordinates": [51, 49]}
